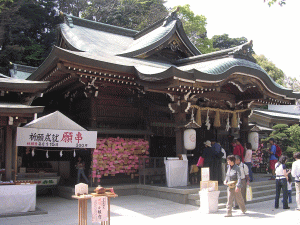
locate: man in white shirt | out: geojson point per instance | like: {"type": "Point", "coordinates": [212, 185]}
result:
{"type": "Point", "coordinates": [296, 173]}
{"type": "Point", "coordinates": [244, 176]}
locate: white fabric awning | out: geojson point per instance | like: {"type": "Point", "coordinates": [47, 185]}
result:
{"type": "Point", "coordinates": [55, 121]}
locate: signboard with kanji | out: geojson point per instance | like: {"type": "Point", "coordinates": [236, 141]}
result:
{"type": "Point", "coordinates": [33, 137]}
{"type": "Point", "coordinates": [99, 209]}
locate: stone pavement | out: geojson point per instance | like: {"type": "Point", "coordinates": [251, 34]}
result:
{"type": "Point", "coordinates": [144, 210]}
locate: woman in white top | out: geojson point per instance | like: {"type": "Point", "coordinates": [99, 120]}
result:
{"type": "Point", "coordinates": [248, 159]}
{"type": "Point", "coordinates": [281, 182]}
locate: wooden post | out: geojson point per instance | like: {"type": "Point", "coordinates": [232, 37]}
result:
{"type": "Point", "coordinates": [8, 152]}
{"type": "Point", "coordinates": [82, 208]}
{"type": "Point", "coordinates": [180, 118]}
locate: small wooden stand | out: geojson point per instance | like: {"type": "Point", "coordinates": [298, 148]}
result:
{"type": "Point", "coordinates": [108, 195]}
{"type": "Point", "coordinates": [82, 208]}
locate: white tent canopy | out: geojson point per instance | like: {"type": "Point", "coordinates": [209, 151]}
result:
{"type": "Point", "coordinates": [55, 121]}
{"type": "Point", "coordinates": [55, 130]}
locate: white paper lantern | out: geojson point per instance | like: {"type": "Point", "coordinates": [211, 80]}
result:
{"type": "Point", "coordinates": [189, 139]}
{"type": "Point", "coordinates": [253, 138]}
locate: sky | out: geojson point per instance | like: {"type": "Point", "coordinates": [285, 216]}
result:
{"type": "Point", "coordinates": [275, 30]}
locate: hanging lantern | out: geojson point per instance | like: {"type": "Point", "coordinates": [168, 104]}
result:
{"type": "Point", "coordinates": [61, 153]}
{"type": "Point", "coordinates": [253, 139]}
{"type": "Point", "coordinates": [234, 121]}
{"type": "Point", "coordinates": [189, 137]}
{"type": "Point", "coordinates": [217, 122]}
{"type": "Point", "coordinates": [47, 154]}
{"type": "Point", "coordinates": [198, 117]}
{"type": "Point", "coordinates": [32, 152]}
{"type": "Point", "coordinates": [74, 153]}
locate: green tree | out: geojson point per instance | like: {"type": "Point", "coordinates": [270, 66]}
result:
{"type": "Point", "coordinates": [29, 34]}
{"type": "Point", "coordinates": [294, 132]}
{"type": "Point", "coordinates": [275, 73]}
{"type": "Point", "coordinates": [132, 14]}
{"type": "Point", "coordinates": [195, 28]}
{"type": "Point", "coordinates": [221, 42]}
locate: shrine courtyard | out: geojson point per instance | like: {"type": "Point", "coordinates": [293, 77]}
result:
{"type": "Point", "coordinates": [138, 209]}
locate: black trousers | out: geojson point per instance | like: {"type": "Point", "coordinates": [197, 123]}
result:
{"type": "Point", "coordinates": [281, 184]}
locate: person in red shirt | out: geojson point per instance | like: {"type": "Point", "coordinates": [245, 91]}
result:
{"type": "Point", "coordinates": [239, 149]}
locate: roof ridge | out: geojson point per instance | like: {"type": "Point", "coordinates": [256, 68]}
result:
{"type": "Point", "coordinates": [164, 21]}
{"type": "Point", "coordinates": [226, 52]}
{"type": "Point", "coordinates": [73, 20]}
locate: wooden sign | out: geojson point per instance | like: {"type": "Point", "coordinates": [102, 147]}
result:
{"type": "Point", "coordinates": [99, 209]}
{"type": "Point", "coordinates": [205, 174]}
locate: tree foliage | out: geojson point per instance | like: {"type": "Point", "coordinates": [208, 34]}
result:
{"type": "Point", "coordinates": [221, 42]}
{"type": "Point", "coordinates": [28, 32]}
{"type": "Point", "coordinates": [275, 73]}
{"type": "Point", "coordinates": [132, 14]}
{"type": "Point", "coordinates": [195, 28]}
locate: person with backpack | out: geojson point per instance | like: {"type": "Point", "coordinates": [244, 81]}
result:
{"type": "Point", "coordinates": [273, 159]}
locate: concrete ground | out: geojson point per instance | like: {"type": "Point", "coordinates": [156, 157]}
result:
{"type": "Point", "coordinates": [147, 210]}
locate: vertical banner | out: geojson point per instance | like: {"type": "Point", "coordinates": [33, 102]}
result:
{"type": "Point", "coordinates": [99, 209]}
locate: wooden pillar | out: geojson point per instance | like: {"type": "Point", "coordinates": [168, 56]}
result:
{"type": "Point", "coordinates": [180, 118]}
{"type": "Point", "coordinates": [244, 128]}
{"type": "Point", "coordinates": [8, 153]}
{"type": "Point", "coordinates": [93, 118]}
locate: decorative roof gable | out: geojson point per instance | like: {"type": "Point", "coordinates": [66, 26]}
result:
{"type": "Point", "coordinates": [165, 39]}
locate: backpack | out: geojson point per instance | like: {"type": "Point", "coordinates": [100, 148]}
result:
{"type": "Point", "coordinates": [278, 152]}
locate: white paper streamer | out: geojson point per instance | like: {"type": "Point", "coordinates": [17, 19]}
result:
{"type": "Point", "coordinates": [74, 153]}
{"type": "Point", "coordinates": [207, 123]}
{"type": "Point", "coordinates": [61, 153]}
{"type": "Point", "coordinates": [228, 123]}
{"type": "Point", "coordinates": [32, 152]}
{"type": "Point", "coordinates": [47, 154]}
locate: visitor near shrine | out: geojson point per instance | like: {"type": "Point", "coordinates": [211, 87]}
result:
{"type": "Point", "coordinates": [239, 149]}
{"type": "Point", "coordinates": [273, 159]}
{"type": "Point", "coordinates": [234, 183]}
{"type": "Point", "coordinates": [81, 167]}
{"type": "Point", "coordinates": [281, 182]}
{"type": "Point", "coordinates": [244, 176]}
{"type": "Point", "coordinates": [248, 159]}
{"type": "Point", "coordinates": [217, 162]}
{"type": "Point", "coordinates": [296, 173]}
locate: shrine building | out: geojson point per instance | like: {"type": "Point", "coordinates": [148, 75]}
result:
{"type": "Point", "coordinates": [153, 84]}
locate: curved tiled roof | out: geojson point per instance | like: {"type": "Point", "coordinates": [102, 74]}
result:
{"type": "Point", "coordinates": [104, 46]}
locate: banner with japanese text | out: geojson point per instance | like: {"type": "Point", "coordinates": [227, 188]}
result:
{"type": "Point", "coordinates": [33, 137]}
{"type": "Point", "coordinates": [99, 209]}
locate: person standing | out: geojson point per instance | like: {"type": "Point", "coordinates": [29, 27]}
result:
{"type": "Point", "coordinates": [248, 160]}
{"type": "Point", "coordinates": [281, 182]}
{"type": "Point", "coordinates": [81, 166]}
{"type": "Point", "coordinates": [244, 176]}
{"type": "Point", "coordinates": [296, 173]}
{"type": "Point", "coordinates": [208, 158]}
{"type": "Point", "coordinates": [233, 181]}
{"type": "Point", "coordinates": [217, 161]}
{"type": "Point", "coordinates": [273, 159]}
{"type": "Point", "coordinates": [239, 149]}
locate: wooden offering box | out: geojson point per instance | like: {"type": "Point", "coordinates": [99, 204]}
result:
{"type": "Point", "coordinates": [209, 185]}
